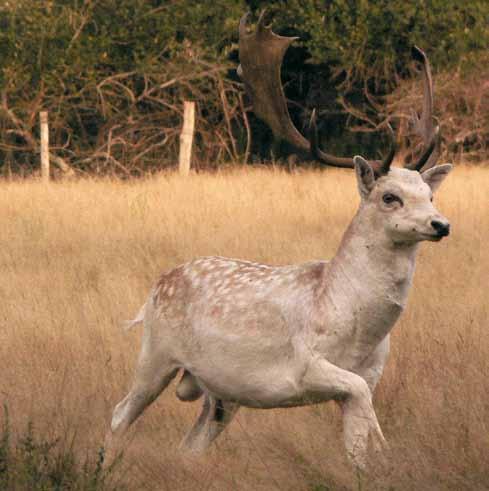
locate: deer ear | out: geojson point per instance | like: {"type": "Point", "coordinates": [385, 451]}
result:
{"type": "Point", "coordinates": [365, 176]}
{"type": "Point", "coordinates": [434, 176]}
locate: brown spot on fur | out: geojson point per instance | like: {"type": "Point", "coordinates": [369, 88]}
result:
{"type": "Point", "coordinates": [168, 282]}
{"type": "Point", "coordinates": [216, 311]}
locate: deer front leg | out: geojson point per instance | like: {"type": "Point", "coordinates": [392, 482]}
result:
{"type": "Point", "coordinates": [325, 381]}
{"type": "Point", "coordinates": [373, 366]}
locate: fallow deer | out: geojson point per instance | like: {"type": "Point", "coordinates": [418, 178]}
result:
{"type": "Point", "coordinates": [259, 336]}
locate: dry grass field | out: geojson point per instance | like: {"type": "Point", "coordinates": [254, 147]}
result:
{"type": "Point", "coordinates": [78, 258]}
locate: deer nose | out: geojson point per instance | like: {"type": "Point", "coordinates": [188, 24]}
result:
{"type": "Point", "coordinates": [442, 229]}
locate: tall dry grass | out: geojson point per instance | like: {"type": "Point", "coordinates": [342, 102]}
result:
{"type": "Point", "coordinates": [78, 258]}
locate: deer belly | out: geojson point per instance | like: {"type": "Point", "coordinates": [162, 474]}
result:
{"type": "Point", "coordinates": [254, 375]}
{"type": "Point", "coordinates": [244, 353]}
{"type": "Point", "coordinates": [276, 386]}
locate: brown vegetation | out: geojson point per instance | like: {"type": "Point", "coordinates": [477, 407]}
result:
{"type": "Point", "coordinates": [461, 107]}
{"type": "Point", "coordinates": [78, 258]}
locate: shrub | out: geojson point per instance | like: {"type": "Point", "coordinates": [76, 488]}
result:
{"type": "Point", "coordinates": [113, 74]}
{"type": "Point", "coordinates": [36, 464]}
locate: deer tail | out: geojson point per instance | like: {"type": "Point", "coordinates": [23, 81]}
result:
{"type": "Point", "coordinates": [137, 320]}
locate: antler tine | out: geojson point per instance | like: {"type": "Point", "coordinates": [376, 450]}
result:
{"type": "Point", "coordinates": [261, 53]}
{"type": "Point", "coordinates": [423, 125]}
{"type": "Point", "coordinates": [260, 23]}
{"type": "Point", "coordinates": [242, 25]}
{"type": "Point", "coordinates": [385, 165]}
{"type": "Point", "coordinates": [426, 161]}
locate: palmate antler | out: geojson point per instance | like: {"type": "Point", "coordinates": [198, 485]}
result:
{"type": "Point", "coordinates": [423, 125]}
{"type": "Point", "coordinates": [261, 53]}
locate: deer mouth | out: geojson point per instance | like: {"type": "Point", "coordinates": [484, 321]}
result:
{"type": "Point", "coordinates": [433, 237]}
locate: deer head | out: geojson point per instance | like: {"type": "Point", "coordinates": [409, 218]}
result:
{"type": "Point", "coordinates": [261, 53]}
{"type": "Point", "coordinates": [401, 198]}
{"type": "Point", "coordinates": [400, 203]}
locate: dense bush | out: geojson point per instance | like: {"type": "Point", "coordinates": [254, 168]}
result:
{"type": "Point", "coordinates": [462, 108]}
{"type": "Point", "coordinates": [113, 74]}
{"type": "Point", "coordinates": [37, 464]}
{"type": "Point", "coordinates": [370, 41]}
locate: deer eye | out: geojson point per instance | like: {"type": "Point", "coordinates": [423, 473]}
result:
{"type": "Point", "coordinates": [389, 198]}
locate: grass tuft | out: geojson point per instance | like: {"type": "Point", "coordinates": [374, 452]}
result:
{"type": "Point", "coordinates": [38, 464]}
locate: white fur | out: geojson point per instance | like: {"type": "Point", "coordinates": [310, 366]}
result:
{"type": "Point", "coordinates": [259, 336]}
{"type": "Point", "coordinates": [137, 320]}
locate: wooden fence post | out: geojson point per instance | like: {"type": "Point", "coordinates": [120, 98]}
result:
{"type": "Point", "coordinates": [43, 116]}
{"type": "Point", "coordinates": [186, 137]}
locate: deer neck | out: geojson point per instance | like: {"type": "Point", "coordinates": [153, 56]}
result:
{"type": "Point", "coordinates": [364, 288]}
{"type": "Point", "coordinates": [368, 260]}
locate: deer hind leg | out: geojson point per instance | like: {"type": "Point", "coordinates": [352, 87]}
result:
{"type": "Point", "coordinates": [355, 398]}
{"type": "Point", "coordinates": [215, 416]}
{"type": "Point", "coordinates": [151, 378]}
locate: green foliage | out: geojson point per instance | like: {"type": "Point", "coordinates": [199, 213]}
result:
{"type": "Point", "coordinates": [360, 51]}
{"type": "Point", "coordinates": [113, 70]}
{"type": "Point", "coordinates": [41, 465]}
{"type": "Point", "coordinates": [70, 38]}
{"type": "Point", "coordinates": [371, 40]}
{"type": "Point", "coordinates": [113, 73]}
